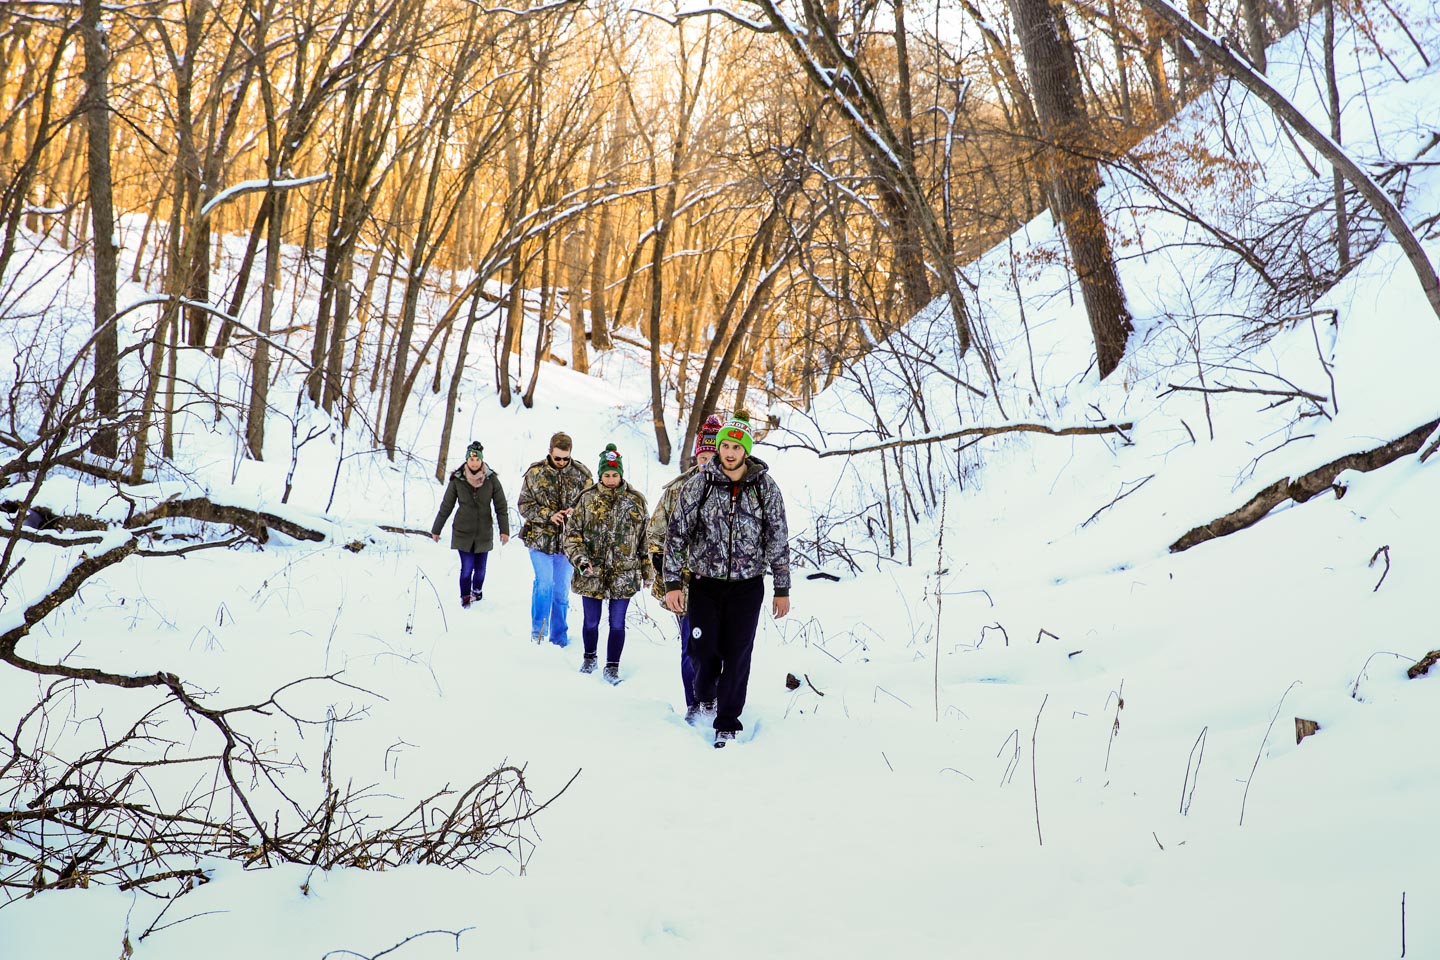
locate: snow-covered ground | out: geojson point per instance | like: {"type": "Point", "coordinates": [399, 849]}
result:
{"type": "Point", "coordinates": [1049, 737]}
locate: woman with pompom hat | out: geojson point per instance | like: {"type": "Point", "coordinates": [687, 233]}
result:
{"type": "Point", "coordinates": [473, 492]}
{"type": "Point", "coordinates": [605, 541]}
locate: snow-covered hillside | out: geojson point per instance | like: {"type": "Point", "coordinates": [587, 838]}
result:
{"type": "Point", "coordinates": [1048, 737]}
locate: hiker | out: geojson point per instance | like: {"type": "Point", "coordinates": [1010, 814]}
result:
{"type": "Point", "coordinates": [655, 537]}
{"type": "Point", "coordinates": [547, 496]}
{"type": "Point", "coordinates": [727, 529]}
{"type": "Point", "coordinates": [605, 541]}
{"type": "Point", "coordinates": [473, 492]}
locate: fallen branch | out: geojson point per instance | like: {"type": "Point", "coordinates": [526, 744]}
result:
{"type": "Point", "coordinates": [1304, 487]}
{"type": "Point", "coordinates": [255, 522]}
{"type": "Point", "coordinates": [991, 431]}
{"type": "Point", "coordinates": [1423, 665]}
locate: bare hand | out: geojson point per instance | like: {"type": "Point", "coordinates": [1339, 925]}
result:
{"type": "Point", "coordinates": [781, 607]}
{"type": "Point", "coordinates": [674, 601]}
{"type": "Point", "coordinates": [504, 539]}
{"type": "Point", "coordinates": [558, 518]}
{"type": "Point", "coordinates": [435, 537]}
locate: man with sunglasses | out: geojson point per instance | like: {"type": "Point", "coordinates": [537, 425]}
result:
{"type": "Point", "coordinates": [547, 497]}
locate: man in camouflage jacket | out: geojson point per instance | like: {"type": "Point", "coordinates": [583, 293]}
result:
{"type": "Point", "coordinates": [547, 495]}
{"type": "Point", "coordinates": [655, 535]}
{"type": "Point", "coordinates": [728, 528]}
{"type": "Point", "coordinates": [605, 541]}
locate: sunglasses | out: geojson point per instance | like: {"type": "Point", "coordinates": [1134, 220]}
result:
{"type": "Point", "coordinates": [561, 459]}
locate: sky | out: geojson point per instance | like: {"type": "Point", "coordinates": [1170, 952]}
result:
{"type": "Point", "coordinates": [1049, 736]}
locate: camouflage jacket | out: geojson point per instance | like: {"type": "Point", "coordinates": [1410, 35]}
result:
{"type": "Point", "coordinates": [728, 530]}
{"type": "Point", "coordinates": [606, 534]}
{"type": "Point", "coordinates": [544, 492]}
{"type": "Point", "coordinates": [659, 521]}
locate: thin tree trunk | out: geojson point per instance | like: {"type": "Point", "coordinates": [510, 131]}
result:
{"type": "Point", "coordinates": [102, 213]}
{"type": "Point", "coordinates": [260, 363]}
{"type": "Point", "coordinates": [1332, 95]}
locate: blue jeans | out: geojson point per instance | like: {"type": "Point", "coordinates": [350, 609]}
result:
{"type": "Point", "coordinates": [590, 629]}
{"type": "Point", "coordinates": [550, 600]}
{"type": "Point", "coordinates": [472, 572]}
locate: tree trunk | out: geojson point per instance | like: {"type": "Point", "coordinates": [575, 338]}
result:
{"type": "Point", "coordinates": [1076, 177]}
{"type": "Point", "coordinates": [260, 362]}
{"type": "Point", "coordinates": [1255, 31]}
{"type": "Point", "coordinates": [575, 299]}
{"type": "Point", "coordinates": [102, 215]}
{"type": "Point", "coordinates": [1332, 95]}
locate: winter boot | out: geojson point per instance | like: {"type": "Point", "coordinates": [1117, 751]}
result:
{"type": "Point", "coordinates": [722, 737]}
{"type": "Point", "coordinates": [612, 673]}
{"type": "Point", "coordinates": [465, 601]}
{"type": "Point", "coordinates": [707, 708]}
{"type": "Point", "coordinates": [588, 664]}
{"type": "Point", "coordinates": [692, 713]}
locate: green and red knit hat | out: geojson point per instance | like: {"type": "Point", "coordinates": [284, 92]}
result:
{"type": "Point", "coordinates": [611, 460]}
{"type": "Point", "coordinates": [737, 430]}
{"type": "Point", "coordinates": [705, 439]}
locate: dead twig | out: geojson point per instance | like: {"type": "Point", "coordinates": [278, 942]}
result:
{"type": "Point", "coordinates": [1386, 551]}
{"type": "Point", "coordinates": [1034, 781]}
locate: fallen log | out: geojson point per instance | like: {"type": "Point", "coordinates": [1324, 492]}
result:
{"type": "Point", "coordinates": [255, 522]}
{"type": "Point", "coordinates": [1305, 486]}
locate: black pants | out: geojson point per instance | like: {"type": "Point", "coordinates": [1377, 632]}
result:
{"type": "Point", "coordinates": [723, 618]}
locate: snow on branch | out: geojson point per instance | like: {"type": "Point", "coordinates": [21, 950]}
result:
{"type": "Point", "coordinates": [1076, 430]}
{"type": "Point", "coordinates": [253, 186]}
{"type": "Point", "coordinates": [731, 15]}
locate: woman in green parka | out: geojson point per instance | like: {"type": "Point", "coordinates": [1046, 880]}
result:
{"type": "Point", "coordinates": [473, 492]}
{"type": "Point", "coordinates": [605, 540]}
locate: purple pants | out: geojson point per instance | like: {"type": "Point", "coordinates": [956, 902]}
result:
{"type": "Point", "coordinates": [590, 628]}
{"type": "Point", "coordinates": [472, 572]}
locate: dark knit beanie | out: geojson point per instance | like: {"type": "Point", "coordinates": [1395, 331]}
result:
{"type": "Point", "coordinates": [610, 460]}
{"type": "Point", "coordinates": [705, 439]}
{"type": "Point", "coordinates": [476, 448]}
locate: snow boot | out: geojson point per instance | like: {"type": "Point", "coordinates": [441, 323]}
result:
{"type": "Point", "coordinates": [722, 737]}
{"type": "Point", "coordinates": [465, 601]}
{"type": "Point", "coordinates": [692, 713]}
{"type": "Point", "coordinates": [612, 673]}
{"type": "Point", "coordinates": [588, 664]}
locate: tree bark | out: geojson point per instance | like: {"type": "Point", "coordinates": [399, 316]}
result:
{"type": "Point", "coordinates": [1076, 176]}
